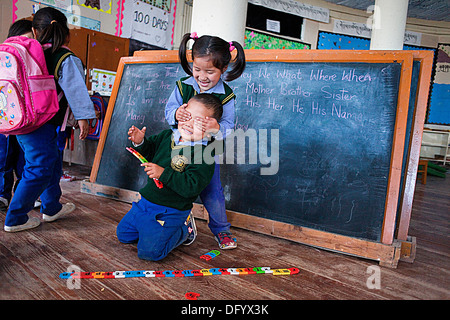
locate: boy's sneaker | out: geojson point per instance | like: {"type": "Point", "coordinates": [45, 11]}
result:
{"type": "Point", "coordinates": [226, 240]}
{"type": "Point", "coordinates": [3, 204]}
{"type": "Point", "coordinates": [66, 209]}
{"type": "Point", "coordinates": [190, 222]}
{"type": "Point", "coordinates": [32, 222]}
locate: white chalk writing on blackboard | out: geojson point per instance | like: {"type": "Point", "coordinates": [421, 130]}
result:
{"type": "Point", "coordinates": [337, 94]}
{"type": "Point", "coordinates": [288, 74]}
{"type": "Point", "coordinates": [132, 115]}
{"type": "Point", "coordinates": [259, 88]}
{"type": "Point", "coordinates": [290, 91]}
{"type": "Point", "coordinates": [267, 89]}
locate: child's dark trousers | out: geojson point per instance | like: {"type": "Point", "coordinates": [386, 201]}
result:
{"type": "Point", "coordinates": [156, 229]}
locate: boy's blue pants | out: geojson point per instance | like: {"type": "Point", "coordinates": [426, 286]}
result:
{"type": "Point", "coordinates": [41, 176]}
{"type": "Point", "coordinates": [154, 239]}
{"type": "Point", "coordinates": [214, 201]}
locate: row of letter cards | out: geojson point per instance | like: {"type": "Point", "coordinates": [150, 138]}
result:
{"type": "Point", "coordinates": [178, 273]}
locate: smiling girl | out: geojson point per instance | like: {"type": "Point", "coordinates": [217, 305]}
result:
{"type": "Point", "coordinates": [211, 57]}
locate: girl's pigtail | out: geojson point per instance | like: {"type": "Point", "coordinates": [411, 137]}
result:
{"type": "Point", "coordinates": [182, 54]}
{"type": "Point", "coordinates": [45, 34]}
{"type": "Point", "coordinates": [59, 35]}
{"type": "Point", "coordinates": [51, 26]}
{"type": "Point", "coordinates": [238, 63]}
{"type": "Point", "coordinates": [55, 33]}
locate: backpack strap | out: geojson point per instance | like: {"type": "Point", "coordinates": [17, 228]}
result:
{"type": "Point", "coordinates": [186, 91]}
{"type": "Point", "coordinates": [68, 113]}
{"type": "Point", "coordinates": [229, 94]}
{"type": "Point", "coordinates": [54, 61]}
{"type": "Point", "coordinates": [59, 62]}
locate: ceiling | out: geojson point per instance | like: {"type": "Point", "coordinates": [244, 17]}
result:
{"type": "Point", "coordinates": [437, 10]}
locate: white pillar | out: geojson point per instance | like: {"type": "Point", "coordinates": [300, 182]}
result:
{"type": "Point", "coordinates": [222, 18]}
{"type": "Point", "coordinates": [388, 24]}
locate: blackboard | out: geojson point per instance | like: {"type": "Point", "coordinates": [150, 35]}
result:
{"type": "Point", "coordinates": [337, 122]}
{"type": "Point", "coordinates": [143, 93]}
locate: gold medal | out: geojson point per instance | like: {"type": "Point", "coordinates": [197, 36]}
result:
{"type": "Point", "coordinates": [179, 162]}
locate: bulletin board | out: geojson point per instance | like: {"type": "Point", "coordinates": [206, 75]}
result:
{"type": "Point", "coordinates": [258, 40]}
{"type": "Point", "coordinates": [336, 41]}
{"type": "Point", "coordinates": [439, 110]}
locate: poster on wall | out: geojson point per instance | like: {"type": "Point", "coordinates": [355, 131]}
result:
{"type": "Point", "coordinates": [335, 41]}
{"type": "Point", "coordinates": [100, 5]}
{"type": "Point", "coordinates": [81, 21]}
{"type": "Point", "coordinates": [257, 40]}
{"type": "Point", "coordinates": [296, 8]}
{"type": "Point", "coordinates": [439, 110]}
{"type": "Point", "coordinates": [332, 41]}
{"type": "Point", "coordinates": [102, 80]}
{"type": "Point", "coordinates": [149, 21]}
{"type": "Point", "coordinates": [65, 6]}
{"type": "Point", "coordinates": [364, 30]}
{"type": "Point", "coordinates": [58, 4]}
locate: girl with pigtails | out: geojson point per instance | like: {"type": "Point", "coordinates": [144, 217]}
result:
{"type": "Point", "coordinates": [211, 57]}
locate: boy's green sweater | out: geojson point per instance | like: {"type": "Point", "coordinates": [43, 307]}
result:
{"type": "Point", "coordinates": [180, 189]}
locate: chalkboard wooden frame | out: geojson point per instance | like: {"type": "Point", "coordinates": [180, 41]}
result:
{"type": "Point", "coordinates": [425, 58]}
{"type": "Point", "coordinates": [387, 251]}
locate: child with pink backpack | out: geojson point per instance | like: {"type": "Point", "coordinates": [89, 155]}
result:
{"type": "Point", "coordinates": [11, 155]}
{"type": "Point", "coordinates": [43, 167]}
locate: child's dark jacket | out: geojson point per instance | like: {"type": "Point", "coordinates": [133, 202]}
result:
{"type": "Point", "coordinates": [181, 184]}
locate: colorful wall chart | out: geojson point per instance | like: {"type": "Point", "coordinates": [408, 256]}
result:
{"type": "Point", "coordinates": [65, 6]}
{"type": "Point", "coordinates": [81, 21]}
{"type": "Point", "coordinates": [102, 80]}
{"type": "Point", "coordinates": [341, 42]}
{"type": "Point", "coordinates": [58, 4]}
{"type": "Point", "coordinates": [257, 40]}
{"type": "Point", "coordinates": [100, 5]}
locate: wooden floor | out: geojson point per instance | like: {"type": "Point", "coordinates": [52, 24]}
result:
{"type": "Point", "coordinates": [31, 261]}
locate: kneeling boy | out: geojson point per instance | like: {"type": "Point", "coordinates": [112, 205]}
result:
{"type": "Point", "coordinates": [161, 220]}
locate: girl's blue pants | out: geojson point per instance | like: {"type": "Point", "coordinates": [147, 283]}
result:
{"type": "Point", "coordinates": [156, 229]}
{"type": "Point", "coordinates": [214, 201]}
{"type": "Point", "coordinates": [41, 176]}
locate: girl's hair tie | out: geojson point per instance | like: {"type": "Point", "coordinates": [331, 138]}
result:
{"type": "Point", "coordinates": [53, 21]}
{"type": "Point", "coordinates": [231, 46]}
{"type": "Point", "coordinates": [194, 35]}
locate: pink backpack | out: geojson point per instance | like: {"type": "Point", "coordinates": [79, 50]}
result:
{"type": "Point", "coordinates": [28, 97]}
